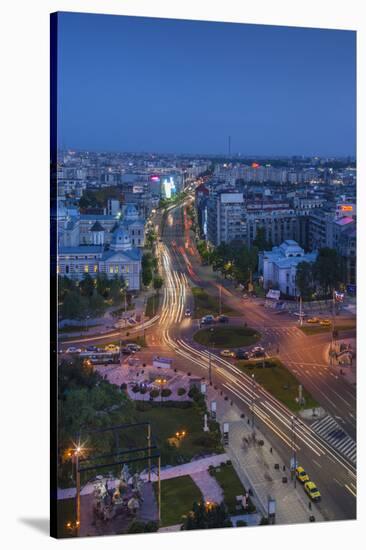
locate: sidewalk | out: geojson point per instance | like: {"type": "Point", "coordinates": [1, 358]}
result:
{"type": "Point", "coordinates": [190, 468]}
{"type": "Point", "coordinates": [255, 466]}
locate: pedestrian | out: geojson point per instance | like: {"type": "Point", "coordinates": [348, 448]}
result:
{"type": "Point", "coordinates": [270, 450]}
{"type": "Point", "coordinates": [309, 505]}
{"type": "Point", "coordinates": [284, 468]}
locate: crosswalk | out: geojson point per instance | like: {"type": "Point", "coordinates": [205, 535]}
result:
{"type": "Point", "coordinates": [332, 432]}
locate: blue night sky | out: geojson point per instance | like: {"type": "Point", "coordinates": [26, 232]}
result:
{"type": "Point", "coordinates": [139, 84]}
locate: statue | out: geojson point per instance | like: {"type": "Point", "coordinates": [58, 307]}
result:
{"type": "Point", "coordinates": [205, 426]}
{"type": "Point", "coordinates": [133, 505]}
{"type": "Point", "coordinates": [137, 485]}
{"type": "Point", "coordinates": [125, 473]}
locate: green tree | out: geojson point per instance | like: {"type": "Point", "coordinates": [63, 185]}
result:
{"type": "Point", "coordinates": [116, 289]}
{"type": "Point", "coordinates": [65, 285]}
{"type": "Point", "coordinates": [74, 306]}
{"type": "Point", "coordinates": [86, 285]}
{"type": "Point", "coordinates": [96, 304]}
{"type": "Point", "coordinates": [304, 279]}
{"type": "Point", "coordinates": [146, 268]}
{"type": "Point", "coordinates": [260, 240]}
{"type": "Point", "coordinates": [206, 516]}
{"type": "Point", "coordinates": [328, 270]}
{"type": "Point", "coordinates": [102, 284]}
{"type": "Point", "coordinates": [158, 283]}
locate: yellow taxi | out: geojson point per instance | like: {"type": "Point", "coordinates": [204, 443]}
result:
{"type": "Point", "coordinates": [112, 347]}
{"type": "Point", "coordinates": [312, 491]}
{"type": "Point", "coordinates": [227, 353]}
{"type": "Point", "coordinates": [325, 322]}
{"type": "Point", "coordinates": [313, 320]}
{"type": "Point", "coordinates": [301, 474]}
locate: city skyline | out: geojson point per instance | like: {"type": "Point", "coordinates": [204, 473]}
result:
{"type": "Point", "coordinates": [199, 93]}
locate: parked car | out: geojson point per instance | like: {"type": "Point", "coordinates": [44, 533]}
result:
{"type": "Point", "coordinates": [227, 353]}
{"type": "Point", "coordinates": [325, 322]}
{"type": "Point", "coordinates": [223, 319]}
{"type": "Point", "coordinates": [301, 474]}
{"type": "Point", "coordinates": [241, 354]}
{"type": "Point", "coordinates": [313, 320]}
{"type": "Point", "coordinates": [91, 348]}
{"type": "Point", "coordinates": [127, 351]}
{"type": "Point", "coordinates": [312, 491]}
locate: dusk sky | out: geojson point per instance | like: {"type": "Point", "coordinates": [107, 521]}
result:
{"type": "Point", "coordinates": [139, 84]}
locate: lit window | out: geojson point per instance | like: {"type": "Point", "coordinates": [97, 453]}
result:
{"type": "Point", "coordinates": [127, 269]}
{"type": "Point", "coordinates": [95, 268]}
{"type": "Point", "coordinates": [111, 269]}
{"type": "Point", "coordinates": [86, 268]}
{"type": "Point", "coordinates": [116, 269]}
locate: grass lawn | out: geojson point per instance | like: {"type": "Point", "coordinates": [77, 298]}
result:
{"type": "Point", "coordinates": [226, 337]}
{"type": "Point", "coordinates": [231, 485]}
{"type": "Point", "coordinates": [177, 497]}
{"type": "Point", "coordinates": [166, 421]}
{"type": "Point", "coordinates": [204, 304]}
{"type": "Point", "coordinates": [278, 381]}
{"type": "Point", "coordinates": [319, 329]}
{"type": "Point", "coordinates": [65, 512]}
{"type": "Point", "coordinates": [152, 305]}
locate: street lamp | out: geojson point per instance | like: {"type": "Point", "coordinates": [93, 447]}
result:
{"type": "Point", "coordinates": [253, 398]}
{"type": "Point", "coordinates": [209, 359]}
{"type": "Point", "coordinates": [293, 448]}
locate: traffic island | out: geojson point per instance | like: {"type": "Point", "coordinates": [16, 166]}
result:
{"type": "Point", "coordinates": [279, 382]}
{"type": "Point", "coordinates": [227, 337]}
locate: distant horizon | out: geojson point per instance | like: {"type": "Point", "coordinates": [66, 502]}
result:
{"type": "Point", "coordinates": [234, 156]}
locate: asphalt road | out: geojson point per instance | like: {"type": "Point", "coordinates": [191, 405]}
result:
{"type": "Point", "coordinates": [304, 355]}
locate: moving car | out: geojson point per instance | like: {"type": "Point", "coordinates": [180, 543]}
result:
{"type": "Point", "coordinates": [312, 320]}
{"type": "Point", "coordinates": [312, 491]}
{"type": "Point", "coordinates": [91, 348]}
{"type": "Point", "coordinates": [127, 351]}
{"type": "Point", "coordinates": [207, 320]}
{"type": "Point", "coordinates": [73, 350]}
{"type": "Point", "coordinates": [258, 351]}
{"type": "Point", "coordinates": [325, 323]}
{"type": "Point", "coordinates": [187, 312]}
{"type": "Point", "coordinates": [223, 319]}
{"type": "Point", "coordinates": [227, 353]}
{"type": "Point", "coordinates": [241, 354]}
{"type": "Point", "coordinates": [133, 347]}
{"type": "Point", "coordinates": [111, 347]}
{"type": "Point", "coordinates": [301, 474]}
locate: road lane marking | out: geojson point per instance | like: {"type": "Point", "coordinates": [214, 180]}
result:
{"type": "Point", "coordinates": [350, 490]}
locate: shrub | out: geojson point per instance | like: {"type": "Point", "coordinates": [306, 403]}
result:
{"type": "Point", "coordinates": [143, 391]}
{"type": "Point", "coordinates": [166, 392]}
{"type": "Point", "coordinates": [136, 389]}
{"type": "Point", "coordinates": [136, 527]}
{"type": "Point", "coordinates": [154, 393]}
{"type": "Point", "coordinates": [123, 386]}
{"type": "Point", "coordinates": [241, 523]}
{"type": "Point", "coordinates": [142, 527]}
{"type": "Point", "coordinates": [181, 391]}
{"type": "Point", "coordinates": [205, 440]}
{"type": "Point", "coordinates": [264, 521]}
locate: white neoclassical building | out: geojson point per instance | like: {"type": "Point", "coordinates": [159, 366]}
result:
{"type": "Point", "coordinates": [121, 258]}
{"type": "Point", "coordinates": [279, 266]}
